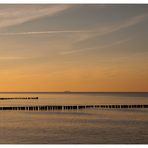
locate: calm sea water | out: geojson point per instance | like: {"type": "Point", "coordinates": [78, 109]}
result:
{"type": "Point", "coordinates": [91, 126]}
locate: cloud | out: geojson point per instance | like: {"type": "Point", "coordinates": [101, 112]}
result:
{"type": "Point", "coordinates": [14, 15]}
{"type": "Point", "coordinates": [43, 32]}
{"type": "Point", "coordinates": [8, 58]}
{"type": "Point", "coordinates": [118, 42]}
{"type": "Point", "coordinates": [125, 24]}
{"type": "Point", "coordinates": [114, 27]}
{"type": "Point", "coordinates": [24, 15]}
{"type": "Point", "coordinates": [68, 52]}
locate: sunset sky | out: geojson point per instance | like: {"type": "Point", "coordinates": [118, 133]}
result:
{"type": "Point", "coordinates": [73, 47]}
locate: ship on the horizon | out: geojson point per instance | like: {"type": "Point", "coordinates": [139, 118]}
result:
{"type": "Point", "coordinates": [67, 91]}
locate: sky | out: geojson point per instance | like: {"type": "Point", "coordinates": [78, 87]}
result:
{"type": "Point", "coordinates": [89, 48]}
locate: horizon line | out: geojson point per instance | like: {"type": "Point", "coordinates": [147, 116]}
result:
{"type": "Point", "coordinates": [76, 92]}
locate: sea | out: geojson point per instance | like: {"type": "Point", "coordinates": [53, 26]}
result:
{"type": "Point", "coordinates": [85, 126]}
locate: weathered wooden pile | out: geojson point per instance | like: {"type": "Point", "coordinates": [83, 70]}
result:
{"type": "Point", "coordinates": [69, 107]}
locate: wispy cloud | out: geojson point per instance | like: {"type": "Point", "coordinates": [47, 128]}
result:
{"type": "Point", "coordinates": [118, 42]}
{"type": "Point", "coordinates": [79, 35]}
{"type": "Point", "coordinates": [68, 52]}
{"type": "Point", "coordinates": [124, 24]}
{"type": "Point", "coordinates": [114, 27]}
{"type": "Point", "coordinates": [9, 58]}
{"type": "Point", "coordinates": [14, 15]}
{"type": "Point", "coordinates": [44, 32]}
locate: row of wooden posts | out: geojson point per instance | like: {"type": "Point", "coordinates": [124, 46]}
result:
{"type": "Point", "coordinates": [24, 98]}
{"type": "Point", "coordinates": [74, 107]}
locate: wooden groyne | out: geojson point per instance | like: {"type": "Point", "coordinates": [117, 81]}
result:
{"type": "Point", "coordinates": [22, 98]}
{"type": "Point", "coordinates": [69, 107]}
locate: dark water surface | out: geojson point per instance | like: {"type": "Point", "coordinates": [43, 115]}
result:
{"type": "Point", "coordinates": [84, 126]}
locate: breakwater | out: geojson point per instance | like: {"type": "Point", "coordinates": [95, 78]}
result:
{"type": "Point", "coordinates": [71, 107]}
{"type": "Point", "coordinates": [23, 98]}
